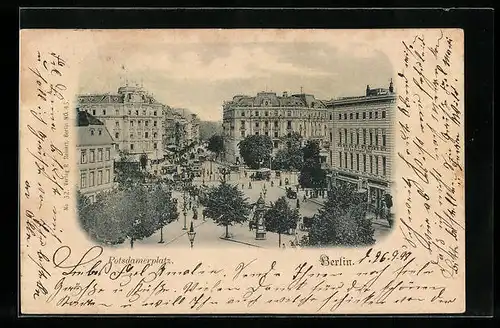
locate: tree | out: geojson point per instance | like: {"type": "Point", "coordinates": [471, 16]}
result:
{"type": "Point", "coordinates": [342, 220]}
{"type": "Point", "coordinates": [144, 161]}
{"type": "Point", "coordinates": [311, 174]}
{"type": "Point", "coordinates": [216, 145]}
{"type": "Point", "coordinates": [256, 150]}
{"type": "Point", "coordinates": [290, 157]}
{"type": "Point", "coordinates": [226, 205]}
{"type": "Point", "coordinates": [133, 213]}
{"type": "Point", "coordinates": [280, 218]}
{"type": "Point", "coordinates": [127, 171]}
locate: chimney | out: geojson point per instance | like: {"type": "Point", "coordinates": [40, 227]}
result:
{"type": "Point", "coordinates": [391, 87]}
{"type": "Point", "coordinates": [285, 94]}
{"type": "Point", "coordinates": [367, 89]}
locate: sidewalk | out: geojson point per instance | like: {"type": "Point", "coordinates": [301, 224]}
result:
{"type": "Point", "coordinates": [241, 234]}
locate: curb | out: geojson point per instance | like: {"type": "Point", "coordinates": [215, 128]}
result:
{"type": "Point", "coordinates": [239, 242]}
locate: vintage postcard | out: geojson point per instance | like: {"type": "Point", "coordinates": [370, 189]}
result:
{"type": "Point", "coordinates": [242, 171]}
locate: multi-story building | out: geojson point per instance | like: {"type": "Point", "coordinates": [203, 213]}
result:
{"type": "Point", "coordinates": [95, 152]}
{"type": "Point", "coordinates": [180, 130]}
{"type": "Point", "coordinates": [275, 116]}
{"type": "Point", "coordinates": [363, 140]}
{"type": "Point", "coordinates": [133, 118]}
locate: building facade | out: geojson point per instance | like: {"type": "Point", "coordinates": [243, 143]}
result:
{"type": "Point", "coordinates": [363, 141]}
{"type": "Point", "coordinates": [133, 118]}
{"type": "Point", "coordinates": [275, 116]}
{"type": "Point", "coordinates": [95, 150]}
{"type": "Point", "coordinates": [180, 130]}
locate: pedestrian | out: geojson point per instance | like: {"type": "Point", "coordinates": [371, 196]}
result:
{"type": "Point", "coordinates": [272, 183]}
{"type": "Point", "coordinates": [284, 246]}
{"type": "Point", "coordinates": [304, 199]}
{"type": "Point", "coordinates": [249, 185]}
{"type": "Point", "coordinates": [298, 203]}
{"type": "Point", "coordinates": [242, 186]}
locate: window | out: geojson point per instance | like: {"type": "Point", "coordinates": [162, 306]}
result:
{"type": "Point", "coordinates": [357, 162]}
{"type": "Point", "coordinates": [371, 138]}
{"type": "Point", "coordinates": [364, 115]}
{"type": "Point", "coordinates": [345, 135]}
{"type": "Point", "coordinates": [256, 113]}
{"type": "Point", "coordinates": [345, 159]}
{"type": "Point", "coordinates": [99, 155]}
{"type": "Point", "coordinates": [91, 132]}
{"type": "Point", "coordinates": [331, 117]}
{"type": "Point", "coordinates": [83, 157]}
{"type": "Point", "coordinates": [357, 138]}
{"type": "Point", "coordinates": [376, 137]}
{"type": "Point", "coordinates": [242, 133]}
{"type": "Point", "coordinates": [108, 154]}
{"type": "Point", "coordinates": [350, 116]}
{"type": "Point", "coordinates": [155, 135]}
{"type": "Point", "coordinates": [384, 162]}
{"type": "Point", "coordinates": [144, 112]}
{"type": "Point", "coordinates": [340, 116]}
{"type": "Point", "coordinates": [242, 124]}
{"type": "Point", "coordinates": [130, 112]}
{"type": "Point", "coordinates": [275, 144]}
{"type": "Point", "coordinates": [117, 135]}
{"type": "Point", "coordinates": [146, 134]}
{"type": "Point", "coordinates": [370, 115]}
{"type": "Point", "coordinates": [136, 112]}
{"type": "Point", "coordinates": [108, 175]}
{"type": "Point", "coordinates": [155, 113]}
{"type": "Point", "coordinates": [376, 114]}
{"type": "Point", "coordinates": [155, 123]}
{"type": "Point", "coordinates": [146, 123]}
{"type": "Point", "coordinates": [276, 134]}
{"type": "Point", "coordinates": [376, 164]}
{"type": "Point", "coordinates": [275, 124]}
{"type": "Point", "coordinates": [289, 124]}
{"type": "Point", "coordinates": [357, 116]}
{"type": "Point", "coordinates": [266, 124]}
{"type": "Point", "coordinates": [131, 136]}
{"type": "Point", "coordinates": [383, 139]}
{"type": "Point", "coordinates": [256, 124]}
{"type": "Point", "coordinates": [340, 137]}
{"type": "Point", "coordinates": [266, 113]}
{"type": "Point", "coordinates": [99, 177]}
{"type": "Point", "coordinates": [92, 156]}
{"type": "Point", "coordinates": [257, 133]}
{"type": "Point", "coordinates": [242, 113]}
{"type": "Point", "coordinates": [139, 123]}
{"type": "Point", "coordinates": [117, 112]}
{"type": "Point", "coordinates": [351, 162]}
{"type": "Point", "coordinates": [352, 139]}
{"type": "Point", "coordinates": [100, 132]}
{"type": "Point", "coordinates": [340, 158]}
{"type": "Point", "coordinates": [91, 179]}
{"type": "Point", "coordinates": [93, 111]}
{"type": "Point", "coordinates": [364, 136]}
{"type": "Point", "coordinates": [331, 137]}
{"type": "Point", "coordinates": [155, 145]}
{"type": "Point", "coordinates": [371, 164]}
{"type": "Point", "coordinates": [266, 133]}
{"type": "Point", "coordinates": [345, 116]}
{"type": "Point", "coordinates": [364, 162]}
{"type": "Point", "coordinates": [131, 123]}
{"type": "Point", "coordinates": [383, 114]}
{"type": "Point", "coordinates": [289, 113]}
{"type": "Point", "coordinates": [83, 180]}
{"type": "Point", "coordinates": [103, 112]}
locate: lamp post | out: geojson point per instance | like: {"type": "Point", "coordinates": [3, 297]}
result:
{"type": "Point", "coordinates": [161, 233]}
{"type": "Point", "coordinates": [191, 234]}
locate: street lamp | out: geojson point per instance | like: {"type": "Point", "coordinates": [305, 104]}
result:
{"type": "Point", "coordinates": [191, 234]}
{"type": "Point", "coordinates": [264, 190]}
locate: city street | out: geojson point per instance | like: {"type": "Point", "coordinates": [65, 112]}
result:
{"type": "Point", "coordinates": [209, 235]}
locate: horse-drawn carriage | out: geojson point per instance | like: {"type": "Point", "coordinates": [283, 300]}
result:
{"type": "Point", "coordinates": [261, 174]}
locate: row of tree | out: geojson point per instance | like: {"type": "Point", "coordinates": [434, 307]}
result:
{"type": "Point", "coordinates": [341, 222]}
{"type": "Point", "coordinates": [126, 213]}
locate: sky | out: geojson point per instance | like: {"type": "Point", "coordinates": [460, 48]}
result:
{"type": "Point", "coordinates": [200, 76]}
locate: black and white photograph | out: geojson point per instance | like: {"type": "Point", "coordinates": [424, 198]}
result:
{"type": "Point", "coordinates": [226, 144]}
